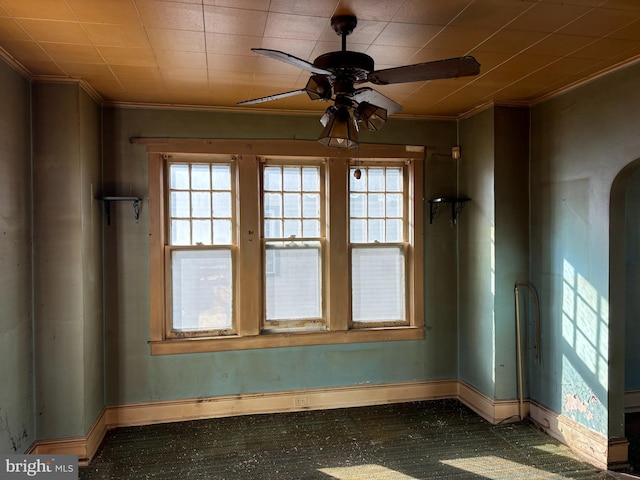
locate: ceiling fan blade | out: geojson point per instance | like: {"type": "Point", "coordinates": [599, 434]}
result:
{"type": "Point", "coordinates": [449, 68]}
{"type": "Point", "coordinates": [369, 95]}
{"type": "Point", "coordinates": [291, 60]}
{"type": "Point", "coordinates": [268, 98]}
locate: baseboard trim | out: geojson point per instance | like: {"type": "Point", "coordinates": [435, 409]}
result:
{"type": "Point", "coordinates": [232, 405]}
{"type": "Point", "coordinates": [632, 401]}
{"type": "Point", "coordinates": [96, 435]}
{"type": "Point", "coordinates": [618, 454]}
{"type": "Point", "coordinates": [493, 411]}
{"type": "Point", "coordinates": [594, 448]}
{"type": "Point", "coordinates": [276, 402]}
{"type": "Point", "coordinates": [84, 447]}
{"type": "Point", "coordinates": [591, 446]}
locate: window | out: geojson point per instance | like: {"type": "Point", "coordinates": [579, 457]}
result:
{"type": "Point", "coordinates": [200, 218]}
{"type": "Point", "coordinates": [378, 240]}
{"type": "Point", "coordinates": [292, 232]}
{"type": "Point", "coordinates": [269, 244]}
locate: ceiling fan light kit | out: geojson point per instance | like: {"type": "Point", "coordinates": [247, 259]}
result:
{"type": "Point", "coordinates": [336, 74]}
{"type": "Point", "coordinates": [340, 129]}
{"type": "Point", "coordinates": [369, 117]}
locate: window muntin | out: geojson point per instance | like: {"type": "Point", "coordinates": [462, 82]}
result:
{"type": "Point", "coordinates": [291, 201]}
{"type": "Point", "coordinates": [292, 253]}
{"type": "Point", "coordinates": [200, 204]}
{"type": "Point", "coordinates": [376, 205]}
{"type": "Point", "coordinates": [378, 239]}
{"type": "Point", "coordinates": [201, 218]}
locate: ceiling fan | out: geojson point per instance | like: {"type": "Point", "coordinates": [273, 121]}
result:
{"type": "Point", "coordinates": [336, 74]}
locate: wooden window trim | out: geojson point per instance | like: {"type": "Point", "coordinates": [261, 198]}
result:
{"type": "Point", "coordinates": [407, 244]}
{"type": "Point", "coordinates": [275, 340]}
{"type": "Point", "coordinates": [248, 299]}
{"type": "Point", "coordinates": [286, 326]}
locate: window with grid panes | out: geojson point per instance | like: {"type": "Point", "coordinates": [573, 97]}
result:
{"type": "Point", "coordinates": [378, 239]}
{"type": "Point", "coordinates": [201, 220]}
{"type": "Point", "coordinates": [252, 251]}
{"type": "Point", "coordinates": [292, 232]}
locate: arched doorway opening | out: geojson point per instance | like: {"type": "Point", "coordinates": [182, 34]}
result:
{"type": "Point", "coordinates": [624, 309]}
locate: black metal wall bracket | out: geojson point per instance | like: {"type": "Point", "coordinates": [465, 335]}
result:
{"type": "Point", "coordinates": [456, 206]}
{"type": "Point", "coordinates": [107, 206]}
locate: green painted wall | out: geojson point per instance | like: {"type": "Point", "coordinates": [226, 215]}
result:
{"type": "Point", "coordinates": [90, 152]}
{"type": "Point", "coordinates": [511, 197]}
{"type": "Point", "coordinates": [17, 429]}
{"type": "Point", "coordinates": [441, 264]}
{"type": "Point", "coordinates": [580, 142]}
{"type": "Point", "coordinates": [67, 260]}
{"type": "Point", "coordinates": [133, 375]}
{"type": "Point", "coordinates": [476, 237]}
{"type": "Point", "coordinates": [494, 246]}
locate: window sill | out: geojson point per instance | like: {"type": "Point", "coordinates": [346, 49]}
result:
{"type": "Point", "coordinates": [275, 340]}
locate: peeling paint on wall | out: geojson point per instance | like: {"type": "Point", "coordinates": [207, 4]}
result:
{"type": "Point", "coordinates": [581, 400]}
{"type": "Point", "coordinates": [575, 404]}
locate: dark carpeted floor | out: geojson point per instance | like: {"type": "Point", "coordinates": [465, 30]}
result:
{"type": "Point", "coordinates": [419, 440]}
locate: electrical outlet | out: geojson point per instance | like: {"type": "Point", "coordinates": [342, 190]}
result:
{"type": "Point", "coordinates": [301, 402]}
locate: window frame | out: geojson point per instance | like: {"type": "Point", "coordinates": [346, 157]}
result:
{"type": "Point", "coordinates": [248, 257]}
{"type": "Point", "coordinates": [405, 244]}
{"type": "Point", "coordinates": [294, 325]}
{"type": "Point", "coordinates": [170, 331]}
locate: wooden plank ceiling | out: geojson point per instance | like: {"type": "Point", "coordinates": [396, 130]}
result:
{"type": "Point", "coordinates": [198, 52]}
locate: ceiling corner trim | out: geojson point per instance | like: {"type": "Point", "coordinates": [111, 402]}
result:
{"type": "Point", "coordinates": [15, 64]}
{"type": "Point", "coordinates": [78, 81]}
{"type": "Point", "coordinates": [585, 81]}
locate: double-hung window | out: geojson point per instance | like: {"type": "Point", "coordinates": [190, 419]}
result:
{"type": "Point", "coordinates": [378, 239]}
{"type": "Point", "coordinates": [201, 248]}
{"type": "Point", "coordinates": [269, 244]}
{"type": "Point", "coordinates": [293, 230]}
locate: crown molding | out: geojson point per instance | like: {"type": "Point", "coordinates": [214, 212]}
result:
{"type": "Point", "coordinates": [585, 81]}
{"type": "Point", "coordinates": [24, 72]}
{"type": "Point", "coordinates": [72, 80]}
{"type": "Point", "coordinates": [15, 64]}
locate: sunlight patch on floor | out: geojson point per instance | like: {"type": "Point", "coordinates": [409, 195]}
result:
{"type": "Point", "coordinates": [556, 450]}
{"type": "Point", "coordinates": [365, 472]}
{"type": "Point", "coordinates": [496, 468]}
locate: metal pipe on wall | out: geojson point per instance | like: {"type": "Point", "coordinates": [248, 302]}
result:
{"type": "Point", "coordinates": [536, 346]}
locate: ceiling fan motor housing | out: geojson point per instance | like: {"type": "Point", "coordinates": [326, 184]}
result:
{"type": "Point", "coordinates": [357, 63]}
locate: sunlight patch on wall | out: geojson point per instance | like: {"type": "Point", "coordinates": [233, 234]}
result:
{"type": "Point", "coordinates": [585, 355]}
{"type": "Point", "coordinates": [497, 468]}
{"type": "Point", "coordinates": [584, 322]}
{"type": "Point", "coordinates": [603, 343]}
{"type": "Point", "coordinates": [368, 472]}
